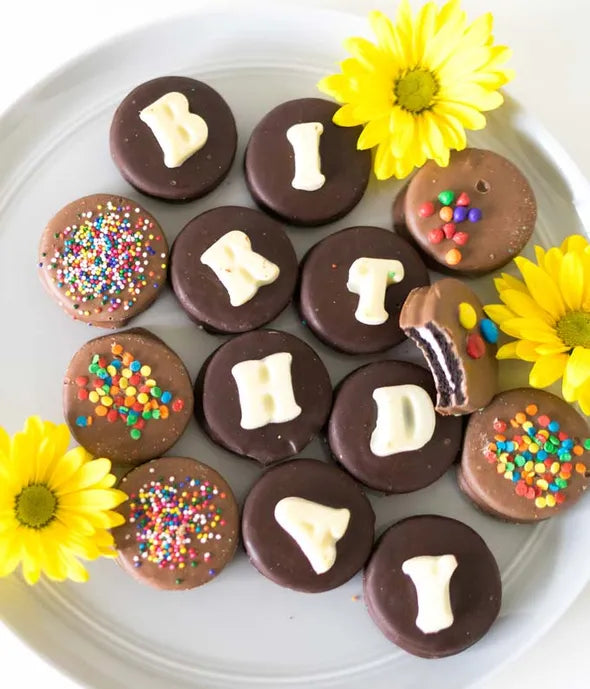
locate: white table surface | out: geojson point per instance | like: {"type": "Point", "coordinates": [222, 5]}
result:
{"type": "Point", "coordinates": [552, 54]}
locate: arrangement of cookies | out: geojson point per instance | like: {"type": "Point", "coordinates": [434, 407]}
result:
{"type": "Point", "coordinates": [431, 584]}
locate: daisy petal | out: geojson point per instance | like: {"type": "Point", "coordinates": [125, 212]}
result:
{"type": "Point", "coordinates": [547, 370]}
{"type": "Point", "coordinates": [541, 287]}
{"type": "Point", "coordinates": [524, 306]}
{"type": "Point", "coordinates": [571, 280]}
{"type": "Point", "coordinates": [578, 367]}
{"type": "Point", "coordinates": [498, 313]}
{"type": "Point", "coordinates": [346, 117]}
{"type": "Point", "coordinates": [374, 133]}
{"type": "Point", "coordinates": [527, 351]}
{"type": "Point", "coordinates": [507, 351]}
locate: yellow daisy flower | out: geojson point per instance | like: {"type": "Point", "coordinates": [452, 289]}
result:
{"type": "Point", "coordinates": [426, 80]}
{"type": "Point", "coordinates": [549, 314]}
{"type": "Point", "coordinates": [55, 504]}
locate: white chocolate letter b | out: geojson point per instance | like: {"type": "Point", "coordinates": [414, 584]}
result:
{"type": "Point", "coordinates": [265, 390]}
{"type": "Point", "coordinates": [179, 132]}
{"type": "Point", "coordinates": [369, 278]}
{"type": "Point", "coordinates": [431, 576]}
{"type": "Point", "coordinates": [305, 140]}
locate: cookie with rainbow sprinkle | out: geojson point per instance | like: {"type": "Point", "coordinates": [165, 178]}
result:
{"type": "Point", "coordinates": [127, 396]}
{"type": "Point", "coordinates": [526, 456]}
{"type": "Point", "coordinates": [181, 524]}
{"type": "Point", "coordinates": [103, 259]}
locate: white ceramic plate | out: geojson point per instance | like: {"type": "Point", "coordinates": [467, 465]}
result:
{"type": "Point", "coordinates": [241, 630]}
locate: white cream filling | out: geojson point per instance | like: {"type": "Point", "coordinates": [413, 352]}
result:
{"type": "Point", "coordinates": [430, 340]}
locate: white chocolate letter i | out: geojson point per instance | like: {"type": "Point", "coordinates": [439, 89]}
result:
{"type": "Point", "coordinates": [316, 529]}
{"type": "Point", "coordinates": [265, 390]}
{"type": "Point", "coordinates": [179, 132]}
{"type": "Point", "coordinates": [431, 576]}
{"type": "Point", "coordinates": [370, 278]}
{"type": "Point", "coordinates": [305, 140]}
{"type": "Point", "coordinates": [239, 269]}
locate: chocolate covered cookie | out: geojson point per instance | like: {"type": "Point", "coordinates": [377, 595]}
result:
{"type": "Point", "coordinates": [307, 526]}
{"type": "Point", "coordinates": [174, 138]}
{"type": "Point", "coordinates": [302, 167]}
{"type": "Point", "coordinates": [181, 524]}
{"type": "Point", "coordinates": [525, 456]}
{"type": "Point", "coordinates": [448, 324]}
{"type": "Point", "coordinates": [103, 259]}
{"type": "Point", "coordinates": [432, 586]}
{"type": "Point", "coordinates": [233, 269]}
{"type": "Point", "coordinates": [469, 218]}
{"type": "Point", "coordinates": [353, 286]}
{"type": "Point", "coordinates": [385, 431]}
{"type": "Point", "coordinates": [263, 395]}
{"type": "Point", "coordinates": [127, 396]}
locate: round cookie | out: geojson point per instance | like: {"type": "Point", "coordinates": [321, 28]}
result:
{"type": "Point", "coordinates": [353, 286]}
{"type": "Point", "coordinates": [264, 395]}
{"type": "Point", "coordinates": [526, 456]}
{"type": "Point", "coordinates": [233, 269]}
{"type": "Point", "coordinates": [127, 396]}
{"type": "Point", "coordinates": [405, 586]}
{"type": "Point", "coordinates": [181, 524]}
{"type": "Point", "coordinates": [447, 323]}
{"type": "Point", "coordinates": [384, 430]}
{"type": "Point", "coordinates": [302, 167]}
{"type": "Point", "coordinates": [196, 129]}
{"type": "Point", "coordinates": [292, 500]}
{"type": "Point", "coordinates": [469, 218]}
{"type": "Point", "coordinates": [103, 259]}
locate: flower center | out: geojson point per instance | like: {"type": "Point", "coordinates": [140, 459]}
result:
{"type": "Point", "coordinates": [574, 329]}
{"type": "Point", "coordinates": [415, 90]}
{"type": "Point", "coordinates": [35, 506]}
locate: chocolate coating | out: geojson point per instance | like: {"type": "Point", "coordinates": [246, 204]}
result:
{"type": "Point", "coordinates": [475, 586]}
{"type": "Point", "coordinates": [490, 490]}
{"type": "Point", "coordinates": [200, 292]}
{"type": "Point", "coordinates": [431, 314]}
{"type": "Point", "coordinates": [327, 305]}
{"type": "Point", "coordinates": [85, 267]}
{"type": "Point", "coordinates": [276, 555]}
{"type": "Point", "coordinates": [218, 407]}
{"type": "Point", "coordinates": [140, 159]}
{"type": "Point", "coordinates": [112, 439]}
{"type": "Point", "coordinates": [495, 186]}
{"type": "Point", "coordinates": [269, 165]}
{"type": "Point", "coordinates": [353, 420]}
{"type": "Point", "coordinates": [174, 474]}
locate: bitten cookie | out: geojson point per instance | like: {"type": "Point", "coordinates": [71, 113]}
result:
{"type": "Point", "coordinates": [174, 138]}
{"type": "Point", "coordinates": [127, 396]}
{"type": "Point", "coordinates": [525, 456]}
{"type": "Point", "coordinates": [307, 526]}
{"type": "Point", "coordinates": [432, 586]}
{"type": "Point", "coordinates": [448, 324]}
{"type": "Point", "coordinates": [302, 167]}
{"type": "Point", "coordinates": [103, 259]}
{"type": "Point", "coordinates": [469, 218]}
{"type": "Point", "coordinates": [181, 524]}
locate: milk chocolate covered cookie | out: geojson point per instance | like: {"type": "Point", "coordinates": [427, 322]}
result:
{"type": "Point", "coordinates": [307, 526]}
{"type": "Point", "coordinates": [263, 395]}
{"type": "Point", "coordinates": [103, 259]}
{"type": "Point", "coordinates": [181, 524]}
{"type": "Point", "coordinates": [353, 286]}
{"type": "Point", "coordinates": [448, 324]}
{"type": "Point", "coordinates": [385, 431]}
{"type": "Point", "coordinates": [174, 138]}
{"type": "Point", "coordinates": [525, 456]}
{"type": "Point", "coordinates": [469, 218]}
{"type": "Point", "coordinates": [302, 167]}
{"type": "Point", "coordinates": [127, 396]}
{"type": "Point", "coordinates": [233, 269]}
{"type": "Point", "coordinates": [432, 586]}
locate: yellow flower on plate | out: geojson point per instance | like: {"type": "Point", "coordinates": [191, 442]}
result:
{"type": "Point", "coordinates": [55, 504]}
{"type": "Point", "coordinates": [549, 315]}
{"type": "Point", "coordinates": [426, 80]}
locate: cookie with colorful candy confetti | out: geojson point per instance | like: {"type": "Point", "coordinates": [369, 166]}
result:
{"type": "Point", "coordinates": [181, 524]}
{"type": "Point", "coordinates": [526, 456]}
{"type": "Point", "coordinates": [469, 218]}
{"type": "Point", "coordinates": [127, 396]}
{"type": "Point", "coordinates": [448, 324]}
{"type": "Point", "coordinates": [103, 259]}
